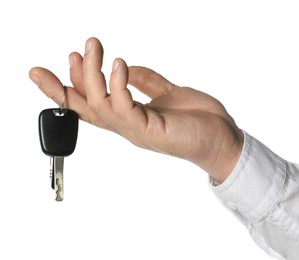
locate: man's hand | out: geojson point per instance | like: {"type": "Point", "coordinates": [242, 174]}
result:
{"type": "Point", "coordinates": [178, 121]}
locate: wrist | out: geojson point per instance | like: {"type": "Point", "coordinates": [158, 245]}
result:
{"type": "Point", "coordinates": [228, 157]}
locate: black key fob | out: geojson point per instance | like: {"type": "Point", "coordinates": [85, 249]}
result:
{"type": "Point", "coordinates": [58, 131]}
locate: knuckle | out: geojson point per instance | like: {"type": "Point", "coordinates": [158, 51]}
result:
{"type": "Point", "coordinates": [93, 104]}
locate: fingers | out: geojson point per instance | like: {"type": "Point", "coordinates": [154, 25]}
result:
{"type": "Point", "coordinates": [149, 82]}
{"type": "Point", "coordinates": [94, 80]}
{"type": "Point", "coordinates": [76, 72]}
{"type": "Point", "coordinates": [89, 97]}
{"type": "Point", "coordinates": [120, 95]}
{"type": "Point", "coordinates": [51, 86]}
{"type": "Point", "coordinates": [123, 105]}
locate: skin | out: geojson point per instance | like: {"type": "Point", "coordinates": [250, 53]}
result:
{"type": "Point", "coordinates": [179, 121]}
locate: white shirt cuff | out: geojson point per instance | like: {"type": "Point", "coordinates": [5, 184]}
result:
{"type": "Point", "coordinates": [256, 182]}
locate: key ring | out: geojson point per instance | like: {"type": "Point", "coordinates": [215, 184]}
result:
{"type": "Point", "coordinates": [62, 106]}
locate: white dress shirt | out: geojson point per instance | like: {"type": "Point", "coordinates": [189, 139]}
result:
{"type": "Point", "coordinates": [263, 193]}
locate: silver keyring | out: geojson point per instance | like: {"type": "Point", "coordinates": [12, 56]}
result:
{"type": "Point", "coordinates": [62, 106]}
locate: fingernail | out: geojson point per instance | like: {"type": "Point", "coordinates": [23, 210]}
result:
{"type": "Point", "coordinates": [71, 61]}
{"type": "Point", "coordinates": [35, 79]}
{"type": "Point", "coordinates": [88, 47]}
{"type": "Point", "coordinates": [115, 65]}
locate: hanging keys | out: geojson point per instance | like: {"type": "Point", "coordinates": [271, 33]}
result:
{"type": "Point", "coordinates": [58, 131]}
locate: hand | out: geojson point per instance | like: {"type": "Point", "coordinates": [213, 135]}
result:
{"type": "Point", "coordinates": [179, 121]}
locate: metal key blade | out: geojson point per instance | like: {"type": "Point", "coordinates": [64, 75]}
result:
{"type": "Point", "coordinates": [52, 173]}
{"type": "Point", "coordinates": [58, 177]}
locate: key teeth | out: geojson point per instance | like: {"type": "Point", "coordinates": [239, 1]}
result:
{"type": "Point", "coordinates": [59, 195]}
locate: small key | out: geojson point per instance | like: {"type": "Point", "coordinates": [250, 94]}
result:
{"type": "Point", "coordinates": [58, 131]}
{"type": "Point", "coordinates": [56, 174]}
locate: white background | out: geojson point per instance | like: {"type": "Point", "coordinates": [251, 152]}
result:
{"type": "Point", "coordinates": [122, 202]}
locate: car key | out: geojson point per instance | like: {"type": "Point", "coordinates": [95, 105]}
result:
{"type": "Point", "coordinates": [58, 131]}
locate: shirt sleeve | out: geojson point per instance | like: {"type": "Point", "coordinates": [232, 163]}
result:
{"type": "Point", "coordinates": [263, 193]}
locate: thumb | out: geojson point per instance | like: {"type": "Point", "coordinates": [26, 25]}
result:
{"type": "Point", "coordinates": [149, 82]}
